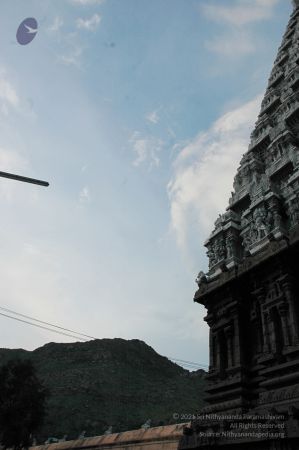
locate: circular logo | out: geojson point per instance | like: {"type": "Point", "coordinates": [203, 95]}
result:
{"type": "Point", "coordinates": [27, 31]}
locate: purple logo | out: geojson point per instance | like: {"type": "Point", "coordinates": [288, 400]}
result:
{"type": "Point", "coordinates": [27, 31]}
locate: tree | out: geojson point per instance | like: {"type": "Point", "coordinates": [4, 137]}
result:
{"type": "Point", "coordinates": [22, 404]}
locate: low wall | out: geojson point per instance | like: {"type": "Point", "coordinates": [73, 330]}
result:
{"type": "Point", "coordinates": [156, 438]}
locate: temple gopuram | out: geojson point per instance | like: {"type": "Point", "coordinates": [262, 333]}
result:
{"type": "Point", "coordinates": [251, 291]}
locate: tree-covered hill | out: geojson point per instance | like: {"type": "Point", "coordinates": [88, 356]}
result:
{"type": "Point", "coordinates": [110, 382]}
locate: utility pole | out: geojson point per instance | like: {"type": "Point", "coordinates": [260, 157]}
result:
{"type": "Point", "coordinates": [24, 179]}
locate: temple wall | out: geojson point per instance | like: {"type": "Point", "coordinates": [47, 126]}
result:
{"type": "Point", "coordinates": [156, 438]}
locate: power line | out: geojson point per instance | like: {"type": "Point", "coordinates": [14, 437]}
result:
{"type": "Point", "coordinates": [40, 326]}
{"type": "Point", "coordinates": [189, 362]}
{"type": "Point", "coordinates": [46, 323]}
{"type": "Point", "coordinates": [191, 365]}
{"type": "Point", "coordinates": [78, 335]}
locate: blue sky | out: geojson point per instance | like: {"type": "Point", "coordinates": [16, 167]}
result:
{"type": "Point", "coordinates": [137, 112]}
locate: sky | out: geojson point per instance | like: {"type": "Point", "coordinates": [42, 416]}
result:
{"type": "Point", "coordinates": [137, 112]}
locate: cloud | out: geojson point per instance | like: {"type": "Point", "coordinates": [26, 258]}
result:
{"type": "Point", "coordinates": [232, 44]}
{"type": "Point", "coordinates": [84, 168]}
{"type": "Point", "coordinates": [203, 173]}
{"type": "Point", "coordinates": [238, 38]}
{"type": "Point", "coordinates": [84, 195]}
{"type": "Point", "coordinates": [89, 24]}
{"type": "Point", "coordinates": [146, 149]}
{"type": "Point", "coordinates": [88, 2]}
{"type": "Point", "coordinates": [242, 13]}
{"type": "Point", "coordinates": [14, 162]}
{"type": "Point", "coordinates": [153, 117]}
{"type": "Point", "coordinates": [56, 25]}
{"type": "Point", "coordinates": [73, 58]}
{"type": "Point", "coordinates": [8, 95]}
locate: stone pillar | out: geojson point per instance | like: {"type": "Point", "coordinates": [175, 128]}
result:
{"type": "Point", "coordinates": [260, 322]}
{"type": "Point", "coordinates": [237, 348]}
{"type": "Point", "coordinates": [272, 330]}
{"type": "Point", "coordinates": [217, 350]}
{"type": "Point", "coordinates": [283, 311]}
{"type": "Point", "coordinates": [212, 350]}
{"type": "Point", "coordinates": [228, 331]}
{"type": "Point", "coordinates": [210, 319]}
{"type": "Point", "coordinates": [233, 245]}
{"type": "Point", "coordinates": [230, 247]}
{"type": "Point", "coordinates": [223, 351]}
{"type": "Point", "coordinates": [266, 326]}
{"type": "Point", "coordinates": [275, 210]}
{"type": "Point", "coordinates": [287, 287]}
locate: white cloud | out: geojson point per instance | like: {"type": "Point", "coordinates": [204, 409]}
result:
{"type": "Point", "coordinates": [88, 2]}
{"type": "Point", "coordinates": [89, 24]}
{"type": "Point", "coordinates": [238, 38]}
{"type": "Point", "coordinates": [203, 173]}
{"type": "Point", "coordinates": [56, 25]}
{"type": "Point", "coordinates": [242, 13]}
{"type": "Point", "coordinates": [84, 195]}
{"type": "Point", "coordinates": [8, 94]}
{"type": "Point", "coordinates": [153, 117]}
{"type": "Point", "coordinates": [10, 161]}
{"type": "Point", "coordinates": [232, 44]}
{"type": "Point", "coordinates": [73, 58]}
{"type": "Point", "coordinates": [146, 149]}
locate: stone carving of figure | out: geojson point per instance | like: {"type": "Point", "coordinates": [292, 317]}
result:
{"type": "Point", "coordinates": [246, 242]}
{"type": "Point", "coordinates": [238, 181]}
{"type": "Point", "coordinates": [201, 278]}
{"type": "Point", "coordinates": [221, 250]}
{"type": "Point", "coordinates": [244, 222]}
{"type": "Point", "coordinates": [286, 92]}
{"type": "Point", "coordinates": [294, 156]}
{"type": "Point", "coordinates": [216, 251]}
{"type": "Point", "coordinates": [269, 221]}
{"type": "Point", "coordinates": [229, 248]}
{"type": "Point", "coordinates": [211, 256]}
{"type": "Point", "coordinates": [294, 212]}
{"type": "Point", "coordinates": [277, 219]}
{"type": "Point", "coordinates": [252, 234]}
{"type": "Point", "coordinates": [218, 221]}
{"type": "Point", "coordinates": [260, 225]}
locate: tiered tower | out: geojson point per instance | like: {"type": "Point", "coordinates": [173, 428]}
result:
{"type": "Point", "coordinates": [251, 291]}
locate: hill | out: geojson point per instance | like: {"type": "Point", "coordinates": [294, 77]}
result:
{"type": "Point", "coordinates": [110, 382]}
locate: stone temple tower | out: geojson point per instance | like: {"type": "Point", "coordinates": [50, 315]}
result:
{"type": "Point", "coordinates": [251, 291]}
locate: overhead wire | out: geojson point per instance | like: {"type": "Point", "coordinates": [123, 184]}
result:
{"type": "Point", "coordinates": [78, 335]}
{"type": "Point", "coordinates": [45, 323]}
{"type": "Point", "coordinates": [41, 326]}
{"type": "Point", "coordinates": [189, 362]}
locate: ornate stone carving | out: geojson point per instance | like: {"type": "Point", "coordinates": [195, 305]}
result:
{"type": "Point", "coordinates": [201, 279]}
{"type": "Point", "coordinates": [277, 395]}
{"type": "Point", "coordinates": [293, 211]}
{"type": "Point", "coordinates": [253, 310]}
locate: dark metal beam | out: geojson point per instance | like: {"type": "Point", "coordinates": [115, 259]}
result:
{"type": "Point", "coordinates": [25, 179]}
